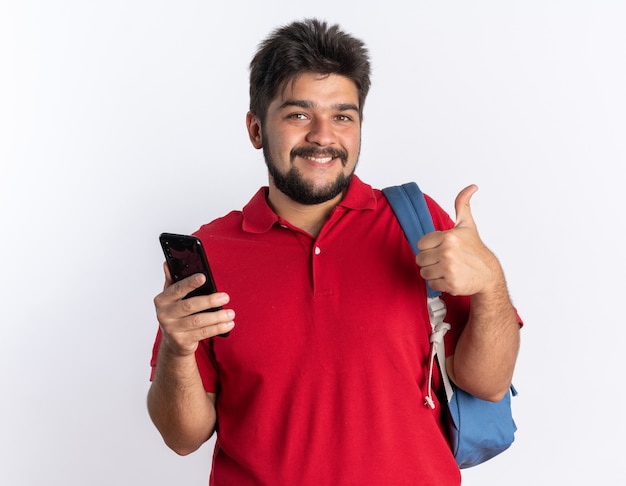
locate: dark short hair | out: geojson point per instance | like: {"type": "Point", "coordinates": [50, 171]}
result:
{"type": "Point", "coordinates": [307, 46]}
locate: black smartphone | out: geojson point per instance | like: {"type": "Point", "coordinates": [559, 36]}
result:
{"type": "Point", "coordinates": [185, 256]}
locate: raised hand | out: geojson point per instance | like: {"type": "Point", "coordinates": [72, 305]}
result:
{"type": "Point", "coordinates": [456, 261]}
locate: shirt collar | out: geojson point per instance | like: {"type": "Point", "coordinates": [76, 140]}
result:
{"type": "Point", "coordinates": [258, 217]}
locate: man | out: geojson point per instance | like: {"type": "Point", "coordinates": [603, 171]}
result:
{"type": "Point", "coordinates": [323, 379]}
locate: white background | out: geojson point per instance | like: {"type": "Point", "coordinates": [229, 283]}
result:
{"type": "Point", "coordinates": [122, 119]}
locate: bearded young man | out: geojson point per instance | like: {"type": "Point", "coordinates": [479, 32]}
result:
{"type": "Point", "coordinates": [322, 381]}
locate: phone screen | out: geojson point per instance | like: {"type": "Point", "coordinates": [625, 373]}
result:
{"type": "Point", "coordinates": [185, 256]}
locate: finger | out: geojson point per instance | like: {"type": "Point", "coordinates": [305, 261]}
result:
{"type": "Point", "coordinates": [426, 258]}
{"type": "Point", "coordinates": [180, 289]}
{"type": "Point", "coordinates": [201, 303]}
{"type": "Point", "coordinates": [462, 206]}
{"type": "Point", "coordinates": [429, 241]}
{"type": "Point", "coordinates": [203, 330]}
{"type": "Point", "coordinates": [203, 320]}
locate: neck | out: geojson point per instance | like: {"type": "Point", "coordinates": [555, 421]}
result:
{"type": "Point", "coordinates": [307, 217]}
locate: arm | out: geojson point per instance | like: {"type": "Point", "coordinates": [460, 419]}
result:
{"type": "Point", "coordinates": [485, 355]}
{"type": "Point", "coordinates": [183, 412]}
{"type": "Point", "coordinates": [457, 262]}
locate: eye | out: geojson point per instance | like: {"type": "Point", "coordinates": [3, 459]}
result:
{"type": "Point", "coordinates": [343, 118]}
{"type": "Point", "coordinates": [297, 116]}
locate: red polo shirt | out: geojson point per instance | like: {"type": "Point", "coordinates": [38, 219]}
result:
{"type": "Point", "coordinates": [322, 381]}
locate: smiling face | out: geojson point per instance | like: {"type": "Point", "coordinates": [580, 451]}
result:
{"type": "Point", "coordinates": [310, 137]}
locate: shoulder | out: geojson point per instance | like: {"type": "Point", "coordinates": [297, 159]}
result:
{"type": "Point", "coordinates": [256, 216]}
{"type": "Point", "coordinates": [441, 219]}
{"type": "Point", "coordinates": [229, 223]}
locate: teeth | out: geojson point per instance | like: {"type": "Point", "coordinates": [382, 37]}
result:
{"type": "Point", "coordinates": [324, 160]}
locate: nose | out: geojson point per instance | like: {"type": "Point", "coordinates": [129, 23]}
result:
{"type": "Point", "coordinates": [320, 132]}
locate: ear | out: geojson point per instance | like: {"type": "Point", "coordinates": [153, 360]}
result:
{"type": "Point", "coordinates": [253, 125]}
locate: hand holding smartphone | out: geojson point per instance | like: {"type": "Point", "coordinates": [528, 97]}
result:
{"type": "Point", "coordinates": [185, 256]}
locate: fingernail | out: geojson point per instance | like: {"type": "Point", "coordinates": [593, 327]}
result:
{"type": "Point", "coordinates": [222, 298]}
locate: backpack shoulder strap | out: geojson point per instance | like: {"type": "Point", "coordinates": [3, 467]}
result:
{"type": "Point", "coordinates": [408, 204]}
{"type": "Point", "coordinates": [411, 210]}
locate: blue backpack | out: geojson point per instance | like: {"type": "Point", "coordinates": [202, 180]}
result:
{"type": "Point", "coordinates": [477, 429]}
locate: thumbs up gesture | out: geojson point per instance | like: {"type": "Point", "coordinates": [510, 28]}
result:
{"type": "Point", "coordinates": [456, 261]}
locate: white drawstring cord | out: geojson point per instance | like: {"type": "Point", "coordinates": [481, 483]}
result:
{"type": "Point", "coordinates": [436, 339]}
{"type": "Point", "coordinates": [437, 312]}
{"type": "Point", "coordinates": [428, 400]}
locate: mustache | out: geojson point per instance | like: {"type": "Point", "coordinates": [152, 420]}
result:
{"type": "Point", "coordinates": [319, 152]}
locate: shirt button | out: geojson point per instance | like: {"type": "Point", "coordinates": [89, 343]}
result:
{"type": "Point", "coordinates": [317, 250]}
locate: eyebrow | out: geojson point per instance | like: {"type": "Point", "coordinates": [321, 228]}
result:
{"type": "Point", "coordinates": [309, 105]}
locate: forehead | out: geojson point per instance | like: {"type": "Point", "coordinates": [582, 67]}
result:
{"type": "Point", "coordinates": [319, 89]}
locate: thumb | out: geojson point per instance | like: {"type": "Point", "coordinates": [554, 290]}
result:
{"type": "Point", "coordinates": [462, 206]}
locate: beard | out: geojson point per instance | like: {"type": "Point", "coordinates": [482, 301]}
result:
{"type": "Point", "coordinates": [293, 185]}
